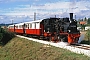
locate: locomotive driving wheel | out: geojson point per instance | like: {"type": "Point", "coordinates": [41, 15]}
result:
{"type": "Point", "coordinates": [51, 38]}
{"type": "Point", "coordinates": [64, 39]}
{"type": "Point", "coordinates": [54, 39]}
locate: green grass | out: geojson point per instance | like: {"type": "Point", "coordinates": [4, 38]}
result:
{"type": "Point", "coordinates": [22, 49]}
{"type": "Point", "coordinates": [85, 42]}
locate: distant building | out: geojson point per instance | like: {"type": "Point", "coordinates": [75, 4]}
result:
{"type": "Point", "coordinates": [82, 22]}
{"type": "Point", "coordinates": [3, 26]}
{"type": "Point", "coordinates": [79, 28]}
{"type": "Point", "coordinates": [87, 28]}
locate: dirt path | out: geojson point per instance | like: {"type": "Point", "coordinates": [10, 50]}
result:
{"type": "Point", "coordinates": [83, 32]}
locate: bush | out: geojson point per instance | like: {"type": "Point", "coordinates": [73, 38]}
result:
{"type": "Point", "coordinates": [5, 36]}
{"type": "Point", "coordinates": [88, 35]}
{"type": "Point", "coordinates": [86, 38]}
{"type": "Point", "coordinates": [1, 33]}
{"type": "Point", "coordinates": [1, 36]}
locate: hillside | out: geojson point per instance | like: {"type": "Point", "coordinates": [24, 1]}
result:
{"type": "Point", "coordinates": [22, 49]}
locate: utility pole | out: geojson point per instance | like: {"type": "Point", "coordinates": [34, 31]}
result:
{"type": "Point", "coordinates": [34, 16]}
{"type": "Point", "coordinates": [55, 16]}
{"type": "Point", "coordinates": [12, 21]}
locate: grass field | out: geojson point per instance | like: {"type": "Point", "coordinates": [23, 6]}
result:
{"type": "Point", "coordinates": [85, 40]}
{"type": "Point", "coordinates": [22, 49]}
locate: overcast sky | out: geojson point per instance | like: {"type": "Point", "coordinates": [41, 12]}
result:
{"type": "Point", "coordinates": [43, 8]}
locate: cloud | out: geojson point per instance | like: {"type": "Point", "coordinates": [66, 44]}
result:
{"type": "Point", "coordinates": [79, 8]}
{"type": "Point", "coordinates": [58, 7]}
{"type": "Point", "coordinates": [42, 9]}
{"type": "Point", "coordinates": [8, 1]}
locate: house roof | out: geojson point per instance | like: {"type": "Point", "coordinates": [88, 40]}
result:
{"type": "Point", "coordinates": [82, 22]}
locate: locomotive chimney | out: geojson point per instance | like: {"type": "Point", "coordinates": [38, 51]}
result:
{"type": "Point", "coordinates": [71, 16]}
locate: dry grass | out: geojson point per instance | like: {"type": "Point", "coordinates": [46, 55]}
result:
{"type": "Point", "coordinates": [22, 49]}
{"type": "Point", "coordinates": [85, 40]}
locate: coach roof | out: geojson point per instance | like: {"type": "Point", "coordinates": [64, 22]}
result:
{"type": "Point", "coordinates": [19, 24]}
{"type": "Point", "coordinates": [34, 21]}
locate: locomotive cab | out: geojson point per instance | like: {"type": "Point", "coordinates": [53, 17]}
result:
{"type": "Point", "coordinates": [53, 27]}
{"type": "Point", "coordinates": [49, 25]}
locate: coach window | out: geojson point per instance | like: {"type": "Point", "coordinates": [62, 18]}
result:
{"type": "Point", "coordinates": [26, 26]}
{"type": "Point", "coordinates": [16, 26]}
{"type": "Point", "coordinates": [19, 26]}
{"type": "Point", "coordinates": [9, 26]}
{"type": "Point", "coordinates": [12, 26]}
{"type": "Point", "coordinates": [30, 25]}
{"type": "Point", "coordinates": [35, 25]}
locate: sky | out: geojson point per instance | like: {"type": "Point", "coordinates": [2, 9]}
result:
{"type": "Point", "coordinates": [23, 10]}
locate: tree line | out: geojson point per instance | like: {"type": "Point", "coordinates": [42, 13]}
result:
{"type": "Point", "coordinates": [85, 19]}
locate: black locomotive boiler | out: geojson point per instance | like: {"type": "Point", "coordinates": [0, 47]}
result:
{"type": "Point", "coordinates": [61, 29]}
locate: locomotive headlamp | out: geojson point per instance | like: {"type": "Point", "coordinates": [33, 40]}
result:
{"type": "Point", "coordinates": [69, 30]}
{"type": "Point", "coordinates": [48, 30]}
{"type": "Point", "coordinates": [44, 30]}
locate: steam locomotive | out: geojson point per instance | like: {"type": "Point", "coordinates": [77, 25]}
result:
{"type": "Point", "coordinates": [54, 29]}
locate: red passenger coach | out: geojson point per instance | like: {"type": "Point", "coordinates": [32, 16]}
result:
{"type": "Point", "coordinates": [34, 27]}
{"type": "Point", "coordinates": [11, 28]}
{"type": "Point", "coordinates": [19, 28]}
{"type": "Point", "coordinates": [28, 28]}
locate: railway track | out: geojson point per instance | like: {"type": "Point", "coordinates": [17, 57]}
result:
{"type": "Point", "coordinates": [82, 46]}
{"type": "Point", "coordinates": [78, 48]}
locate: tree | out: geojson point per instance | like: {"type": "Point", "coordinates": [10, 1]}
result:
{"type": "Point", "coordinates": [1, 34]}
{"type": "Point", "coordinates": [88, 22]}
{"type": "Point", "coordinates": [83, 26]}
{"type": "Point", "coordinates": [85, 19]}
{"type": "Point", "coordinates": [79, 20]}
